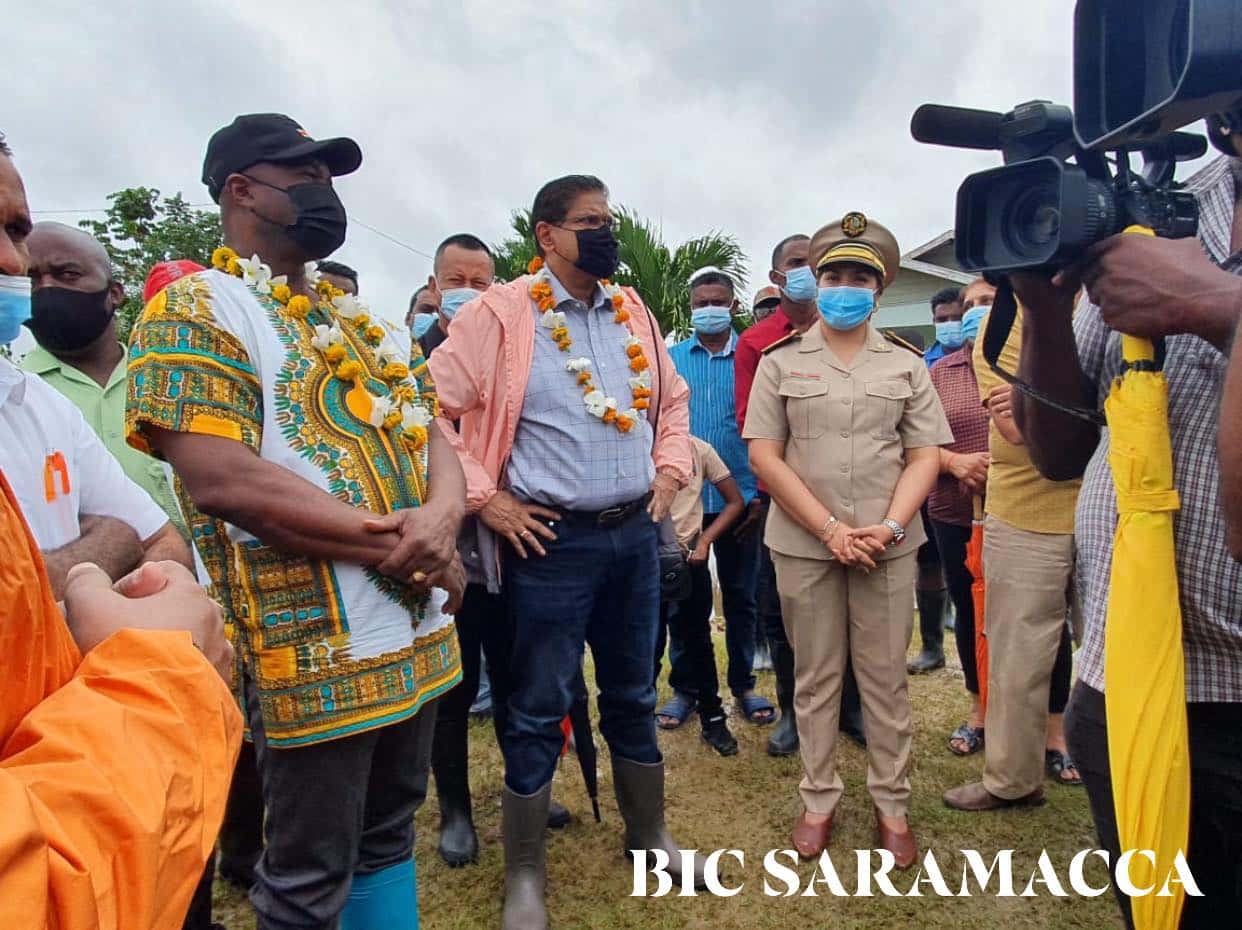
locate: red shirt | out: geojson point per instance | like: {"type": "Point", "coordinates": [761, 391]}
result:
{"type": "Point", "coordinates": [954, 379]}
{"type": "Point", "coordinates": [746, 355]}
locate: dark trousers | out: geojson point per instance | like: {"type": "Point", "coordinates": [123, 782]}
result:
{"type": "Point", "coordinates": [1215, 853]}
{"type": "Point", "coordinates": [598, 586]}
{"type": "Point", "coordinates": [482, 623]}
{"type": "Point", "coordinates": [334, 809]}
{"type": "Point", "coordinates": [692, 658]}
{"type": "Point", "coordinates": [951, 540]}
{"type": "Point", "coordinates": [737, 568]}
{"type": "Point", "coordinates": [769, 603]}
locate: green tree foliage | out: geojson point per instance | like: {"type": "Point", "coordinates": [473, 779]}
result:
{"type": "Point", "coordinates": [142, 229]}
{"type": "Point", "coordinates": [660, 274]}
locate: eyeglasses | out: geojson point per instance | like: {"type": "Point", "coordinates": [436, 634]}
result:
{"type": "Point", "coordinates": [589, 222]}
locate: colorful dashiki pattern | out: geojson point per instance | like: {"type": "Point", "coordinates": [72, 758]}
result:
{"type": "Point", "coordinates": [334, 648]}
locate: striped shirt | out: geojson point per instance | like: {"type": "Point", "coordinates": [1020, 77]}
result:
{"type": "Point", "coordinates": [712, 412]}
{"type": "Point", "coordinates": [1209, 579]}
{"type": "Point", "coordinates": [954, 380]}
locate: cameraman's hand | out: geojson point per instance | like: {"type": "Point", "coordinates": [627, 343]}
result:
{"type": "Point", "coordinates": [1043, 295]}
{"type": "Point", "coordinates": [1152, 287]}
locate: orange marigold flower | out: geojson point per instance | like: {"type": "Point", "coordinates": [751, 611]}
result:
{"type": "Point", "coordinates": [416, 436]}
{"type": "Point", "coordinates": [393, 420]}
{"type": "Point", "coordinates": [624, 423]}
{"type": "Point", "coordinates": [634, 351]}
{"type": "Point", "coordinates": [395, 371]}
{"type": "Point", "coordinates": [374, 333]}
{"type": "Point", "coordinates": [361, 321]}
{"type": "Point", "coordinates": [348, 371]}
{"type": "Point", "coordinates": [621, 316]}
{"type": "Point", "coordinates": [324, 288]}
{"type": "Point", "coordinates": [534, 265]}
{"type": "Point", "coordinates": [299, 306]}
{"type": "Point", "coordinates": [584, 377]}
{"type": "Point", "coordinates": [618, 300]}
{"type": "Point", "coordinates": [334, 353]}
{"type": "Point", "coordinates": [641, 403]}
{"type": "Point", "coordinates": [221, 256]}
{"type": "Point", "coordinates": [609, 415]}
{"type": "Point", "coordinates": [541, 289]}
{"type": "Point", "coordinates": [638, 364]}
{"type": "Point", "coordinates": [641, 392]}
{"type": "Point", "coordinates": [233, 266]}
{"type": "Point", "coordinates": [282, 293]}
{"type": "Point", "coordinates": [588, 387]}
{"type": "Point", "coordinates": [560, 334]}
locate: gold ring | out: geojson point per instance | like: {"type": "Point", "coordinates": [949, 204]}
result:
{"type": "Point", "coordinates": [418, 577]}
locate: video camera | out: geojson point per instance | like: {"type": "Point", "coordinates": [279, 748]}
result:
{"type": "Point", "coordinates": [1142, 69]}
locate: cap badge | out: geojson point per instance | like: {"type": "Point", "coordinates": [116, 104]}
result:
{"type": "Point", "coordinates": [854, 225]}
{"type": "Point", "coordinates": [303, 133]}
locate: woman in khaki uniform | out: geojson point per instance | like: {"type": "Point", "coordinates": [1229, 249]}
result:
{"type": "Point", "coordinates": [844, 427]}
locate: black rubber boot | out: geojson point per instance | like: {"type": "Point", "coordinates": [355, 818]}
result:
{"type": "Point", "coordinates": [931, 628]}
{"type": "Point", "coordinates": [784, 738]}
{"type": "Point", "coordinates": [525, 825]}
{"type": "Point", "coordinates": [640, 796]}
{"type": "Point", "coordinates": [459, 843]}
{"type": "Point", "coordinates": [851, 707]}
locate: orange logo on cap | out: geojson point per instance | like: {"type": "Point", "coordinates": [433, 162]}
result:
{"type": "Point", "coordinates": [854, 225]}
{"type": "Point", "coordinates": [303, 133]}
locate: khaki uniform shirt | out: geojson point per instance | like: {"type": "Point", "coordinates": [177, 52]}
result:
{"type": "Point", "coordinates": [845, 429]}
{"type": "Point", "coordinates": [686, 510]}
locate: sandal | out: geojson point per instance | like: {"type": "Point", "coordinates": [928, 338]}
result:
{"type": "Point", "coordinates": [676, 711]}
{"type": "Point", "coordinates": [1058, 764]}
{"type": "Point", "coordinates": [972, 737]}
{"type": "Point", "coordinates": [757, 708]}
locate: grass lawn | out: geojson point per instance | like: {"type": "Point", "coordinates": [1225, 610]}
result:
{"type": "Point", "coordinates": [749, 802]}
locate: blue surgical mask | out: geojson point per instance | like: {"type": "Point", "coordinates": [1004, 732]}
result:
{"type": "Point", "coordinates": [843, 308]}
{"type": "Point", "coordinates": [452, 299]}
{"type": "Point", "coordinates": [14, 306]}
{"type": "Point", "coordinates": [422, 322]}
{"type": "Point", "coordinates": [800, 285]}
{"type": "Point", "coordinates": [711, 321]}
{"type": "Point", "coordinates": [971, 320]}
{"type": "Point", "coordinates": [949, 334]}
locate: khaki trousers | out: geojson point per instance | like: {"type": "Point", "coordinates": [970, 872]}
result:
{"type": "Point", "coordinates": [1028, 583]}
{"type": "Point", "coordinates": [829, 609]}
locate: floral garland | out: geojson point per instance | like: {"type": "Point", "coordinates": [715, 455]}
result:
{"type": "Point", "coordinates": [597, 404]}
{"type": "Point", "coordinates": [400, 410]}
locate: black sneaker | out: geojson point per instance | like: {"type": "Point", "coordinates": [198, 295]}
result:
{"type": "Point", "coordinates": [716, 734]}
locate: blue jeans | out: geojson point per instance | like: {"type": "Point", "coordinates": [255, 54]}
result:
{"type": "Point", "coordinates": [737, 568]}
{"type": "Point", "coordinates": [596, 586]}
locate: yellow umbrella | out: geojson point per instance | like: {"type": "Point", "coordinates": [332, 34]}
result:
{"type": "Point", "coordinates": [1144, 670]}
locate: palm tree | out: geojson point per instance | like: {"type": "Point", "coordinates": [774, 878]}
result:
{"type": "Point", "coordinates": [660, 275]}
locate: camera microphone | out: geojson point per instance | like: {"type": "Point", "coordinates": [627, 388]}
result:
{"type": "Point", "coordinates": [959, 127]}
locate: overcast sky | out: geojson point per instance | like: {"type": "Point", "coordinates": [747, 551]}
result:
{"type": "Point", "coordinates": [757, 119]}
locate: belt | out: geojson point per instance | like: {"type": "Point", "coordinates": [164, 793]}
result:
{"type": "Point", "coordinates": [608, 517]}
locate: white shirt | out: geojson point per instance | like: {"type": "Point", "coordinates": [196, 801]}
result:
{"type": "Point", "coordinates": [58, 467]}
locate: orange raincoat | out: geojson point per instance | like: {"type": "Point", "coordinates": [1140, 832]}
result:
{"type": "Point", "coordinates": [114, 768]}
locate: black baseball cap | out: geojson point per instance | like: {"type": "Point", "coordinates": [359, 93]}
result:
{"type": "Point", "coordinates": [258, 137]}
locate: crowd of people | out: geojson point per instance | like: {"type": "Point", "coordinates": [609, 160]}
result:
{"type": "Point", "coordinates": [274, 511]}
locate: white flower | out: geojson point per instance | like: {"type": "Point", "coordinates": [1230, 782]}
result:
{"type": "Point", "coordinates": [642, 380]}
{"type": "Point", "coordinates": [633, 340]}
{"type": "Point", "coordinates": [347, 306]}
{"type": "Point", "coordinates": [388, 353]}
{"type": "Point", "coordinates": [311, 271]}
{"type": "Point", "coordinates": [256, 274]}
{"type": "Point", "coordinates": [577, 365]}
{"type": "Point", "coordinates": [380, 408]}
{"type": "Point", "coordinates": [632, 413]}
{"type": "Point", "coordinates": [413, 415]}
{"type": "Point", "coordinates": [551, 319]}
{"type": "Point", "coordinates": [596, 403]}
{"type": "Point", "coordinates": [326, 336]}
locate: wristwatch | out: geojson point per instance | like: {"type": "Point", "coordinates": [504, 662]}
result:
{"type": "Point", "coordinates": [899, 532]}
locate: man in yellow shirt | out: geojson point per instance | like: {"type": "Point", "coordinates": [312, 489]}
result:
{"type": "Point", "coordinates": [1028, 558]}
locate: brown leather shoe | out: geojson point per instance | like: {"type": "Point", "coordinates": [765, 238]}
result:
{"type": "Point", "coordinates": [811, 839]}
{"type": "Point", "coordinates": [902, 845]}
{"type": "Point", "coordinates": [974, 797]}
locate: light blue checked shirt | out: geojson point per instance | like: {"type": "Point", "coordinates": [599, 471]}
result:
{"type": "Point", "coordinates": [562, 455]}
{"type": "Point", "coordinates": [712, 415]}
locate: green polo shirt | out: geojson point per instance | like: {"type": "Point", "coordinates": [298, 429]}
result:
{"type": "Point", "coordinates": [104, 409]}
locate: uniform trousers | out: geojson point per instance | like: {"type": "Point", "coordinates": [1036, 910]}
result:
{"type": "Point", "coordinates": [832, 612]}
{"type": "Point", "coordinates": [334, 809]}
{"type": "Point", "coordinates": [1028, 587]}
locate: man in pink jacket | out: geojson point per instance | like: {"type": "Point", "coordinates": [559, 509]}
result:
{"type": "Point", "coordinates": [574, 437]}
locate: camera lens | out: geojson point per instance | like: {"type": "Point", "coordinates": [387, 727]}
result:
{"type": "Point", "coordinates": [1032, 223]}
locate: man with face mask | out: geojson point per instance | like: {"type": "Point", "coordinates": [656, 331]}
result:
{"type": "Point", "coordinates": [946, 307]}
{"type": "Point", "coordinates": [293, 420]}
{"type": "Point", "coordinates": [462, 270]}
{"type": "Point", "coordinates": [74, 300]}
{"type": "Point", "coordinates": [574, 434]}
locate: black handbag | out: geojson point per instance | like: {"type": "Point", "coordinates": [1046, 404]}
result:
{"type": "Point", "coordinates": [675, 582]}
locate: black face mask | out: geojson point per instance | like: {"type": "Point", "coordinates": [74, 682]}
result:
{"type": "Point", "coordinates": [597, 252]}
{"type": "Point", "coordinates": [65, 320]}
{"type": "Point", "coordinates": [320, 227]}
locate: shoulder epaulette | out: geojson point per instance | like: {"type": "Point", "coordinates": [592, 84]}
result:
{"type": "Point", "coordinates": [901, 343]}
{"type": "Point", "coordinates": [784, 340]}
